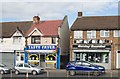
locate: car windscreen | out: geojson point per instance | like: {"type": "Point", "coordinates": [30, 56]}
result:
{"type": "Point", "coordinates": [3, 65]}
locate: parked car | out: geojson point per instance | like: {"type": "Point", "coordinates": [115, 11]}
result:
{"type": "Point", "coordinates": [74, 67]}
{"type": "Point", "coordinates": [4, 69]}
{"type": "Point", "coordinates": [26, 68]}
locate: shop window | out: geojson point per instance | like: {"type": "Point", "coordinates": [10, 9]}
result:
{"type": "Point", "coordinates": [33, 57]}
{"type": "Point", "coordinates": [50, 57]}
{"type": "Point", "coordinates": [22, 57]}
{"type": "Point", "coordinates": [17, 56]}
{"type": "Point", "coordinates": [93, 57]}
{"type": "Point", "coordinates": [35, 40]}
{"type": "Point", "coordinates": [77, 56]}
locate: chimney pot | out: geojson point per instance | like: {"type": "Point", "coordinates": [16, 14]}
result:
{"type": "Point", "coordinates": [79, 14]}
{"type": "Point", "coordinates": [36, 19]}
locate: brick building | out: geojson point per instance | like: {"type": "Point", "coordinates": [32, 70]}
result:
{"type": "Point", "coordinates": [96, 39]}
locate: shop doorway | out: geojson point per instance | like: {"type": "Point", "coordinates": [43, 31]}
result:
{"type": "Point", "coordinates": [42, 60]}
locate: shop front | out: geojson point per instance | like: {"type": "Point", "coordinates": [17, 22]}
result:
{"type": "Point", "coordinates": [42, 55]}
{"type": "Point", "coordinates": [18, 56]}
{"type": "Point", "coordinates": [42, 59]}
{"type": "Point", "coordinates": [99, 57]}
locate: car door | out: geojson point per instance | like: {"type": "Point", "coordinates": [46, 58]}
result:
{"type": "Point", "coordinates": [86, 66]}
{"type": "Point", "coordinates": [20, 68]}
{"type": "Point", "coordinates": [27, 68]}
{"type": "Point", "coordinates": [78, 66]}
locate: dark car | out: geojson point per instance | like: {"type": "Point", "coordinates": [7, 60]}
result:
{"type": "Point", "coordinates": [74, 67]}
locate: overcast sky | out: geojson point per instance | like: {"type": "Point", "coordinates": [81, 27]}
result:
{"type": "Point", "coordinates": [21, 10]}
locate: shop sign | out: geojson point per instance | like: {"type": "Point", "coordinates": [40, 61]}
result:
{"type": "Point", "coordinates": [41, 47]}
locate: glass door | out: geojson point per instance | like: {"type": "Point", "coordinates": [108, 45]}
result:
{"type": "Point", "coordinates": [42, 60]}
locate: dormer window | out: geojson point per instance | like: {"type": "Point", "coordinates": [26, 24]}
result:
{"type": "Point", "coordinates": [53, 40]}
{"type": "Point", "coordinates": [17, 39]}
{"type": "Point", "coordinates": [35, 40]}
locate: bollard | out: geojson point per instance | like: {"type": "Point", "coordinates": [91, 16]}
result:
{"type": "Point", "coordinates": [47, 73]}
{"type": "Point", "coordinates": [27, 75]}
{"type": "Point", "coordinates": [11, 73]}
{"type": "Point", "coordinates": [88, 74]}
{"type": "Point", "coordinates": [67, 72]}
{"type": "Point", "coordinates": [111, 74]}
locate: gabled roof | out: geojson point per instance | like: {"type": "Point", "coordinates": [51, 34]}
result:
{"type": "Point", "coordinates": [47, 28]}
{"type": "Point", "coordinates": [9, 28]}
{"type": "Point", "coordinates": [96, 23]}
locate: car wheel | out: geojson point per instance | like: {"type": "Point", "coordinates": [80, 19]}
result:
{"type": "Point", "coordinates": [16, 72]}
{"type": "Point", "coordinates": [34, 72]}
{"type": "Point", "coordinates": [96, 73]}
{"type": "Point", "coordinates": [2, 72]}
{"type": "Point", "coordinates": [72, 72]}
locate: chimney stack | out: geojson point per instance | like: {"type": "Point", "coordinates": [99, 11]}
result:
{"type": "Point", "coordinates": [36, 19]}
{"type": "Point", "coordinates": [79, 14]}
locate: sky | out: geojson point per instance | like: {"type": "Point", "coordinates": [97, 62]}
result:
{"type": "Point", "coordinates": [24, 10]}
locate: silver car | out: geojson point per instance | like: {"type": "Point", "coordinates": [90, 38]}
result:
{"type": "Point", "coordinates": [26, 68]}
{"type": "Point", "coordinates": [4, 69]}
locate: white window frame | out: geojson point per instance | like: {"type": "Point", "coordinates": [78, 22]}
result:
{"type": "Point", "coordinates": [78, 34]}
{"type": "Point", "coordinates": [92, 34]}
{"type": "Point", "coordinates": [103, 33]}
{"type": "Point", "coordinates": [17, 40]}
{"type": "Point", "coordinates": [118, 33]}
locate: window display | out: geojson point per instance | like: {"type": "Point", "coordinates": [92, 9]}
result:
{"type": "Point", "coordinates": [92, 57]}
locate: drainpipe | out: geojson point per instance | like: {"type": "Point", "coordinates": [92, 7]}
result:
{"type": "Point", "coordinates": [25, 52]}
{"type": "Point", "coordinates": [58, 54]}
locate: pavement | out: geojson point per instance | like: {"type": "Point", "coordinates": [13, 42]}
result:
{"type": "Point", "coordinates": [62, 74]}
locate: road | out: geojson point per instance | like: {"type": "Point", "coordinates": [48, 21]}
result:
{"type": "Point", "coordinates": [61, 74]}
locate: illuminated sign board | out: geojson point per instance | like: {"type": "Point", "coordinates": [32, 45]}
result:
{"type": "Point", "coordinates": [41, 47]}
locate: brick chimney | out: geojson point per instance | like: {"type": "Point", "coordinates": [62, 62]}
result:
{"type": "Point", "coordinates": [79, 14]}
{"type": "Point", "coordinates": [36, 19]}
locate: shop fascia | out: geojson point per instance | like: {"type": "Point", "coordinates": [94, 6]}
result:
{"type": "Point", "coordinates": [95, 46]}
{"type": "Point", "coordinates": [41, 47]}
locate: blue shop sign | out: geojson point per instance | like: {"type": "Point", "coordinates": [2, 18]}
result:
{"type": "Point", "coordinates": [41, 47]}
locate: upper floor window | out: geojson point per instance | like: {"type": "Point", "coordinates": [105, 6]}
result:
{"type": "Point", "coordinates": [91, 34]}
{"type": "Point", "coordinates": [53, 40]}
{"type": "Point", "coordinates": [78, 34]}
{"type": "Point", "coordinates": [104, 33]}
{"type": "Point", "coordinates": [35, 40]}
{"type": "Point", "coordinates": [116, 33]}
{"type": "Point", "coordinates": [17, 39]}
